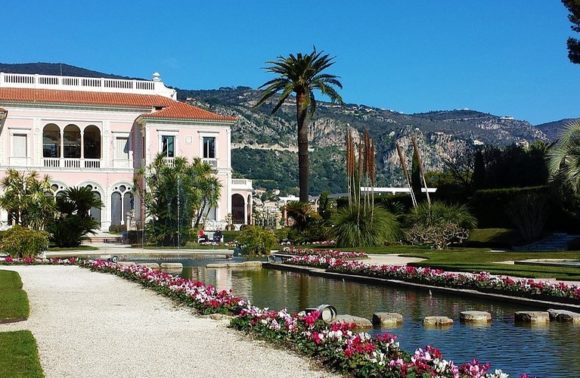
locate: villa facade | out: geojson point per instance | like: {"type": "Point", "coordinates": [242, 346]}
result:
{"type": "Point", "coordinates": [99, 132]}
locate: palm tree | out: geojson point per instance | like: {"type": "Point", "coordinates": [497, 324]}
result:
{"type": "Point", "coordinates": [301, 74]}
{"type": "Point", "coordinates": [564, 156]}
{"type": "Point", "coordinates": [25, 199]}
{"type": "Point", "coordinates": [74, 221]}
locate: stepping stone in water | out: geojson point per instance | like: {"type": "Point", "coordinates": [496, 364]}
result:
{"type": "Point", "coordinates": [387, 318]}
{"type": "Point", "coordinates": [151, 265]}
{"type": "Point", "coordinates": [532, 316]}
{"type": "Point", "coordinates": [564, 316]}
{"type": "Point", "coordinates": [475, 317]}
{"type": "Point", "coordinates": [171, 265]}
{"type": "Point", "coordinates": [437, 321]}
{"type": "Point", "coordinates": [360, 322]}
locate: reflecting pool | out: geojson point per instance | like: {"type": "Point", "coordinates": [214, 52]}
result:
{"type": "Point", "coordinates": [552, 350]}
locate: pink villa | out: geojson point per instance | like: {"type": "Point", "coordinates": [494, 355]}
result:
{"type": "Point", "coordinates": [99, 132]}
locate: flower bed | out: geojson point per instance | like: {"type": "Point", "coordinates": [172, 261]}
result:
{"type": "Point", "coordinates": [9, 260]}
{"type": "Point", "coordinates": [342, 349]}
{"type": "Point", "coordinates": [478, 281]}
{"type": "Point", "coordinates": [345, 255]}
{"type": "Point", "coordinates": [337, 346]}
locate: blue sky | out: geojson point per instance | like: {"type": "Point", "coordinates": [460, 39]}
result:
{"type": "Point", "coordinates": [496, 56]}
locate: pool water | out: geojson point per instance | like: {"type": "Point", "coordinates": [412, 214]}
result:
{"type": "Point", "coordinates": [552, 350]}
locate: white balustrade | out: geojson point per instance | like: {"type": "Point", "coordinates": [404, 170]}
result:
{"type": "Point", "coordinates": [11, 80]}
{"type": "Point", "coordinates": [71, 163]}
{"type": "Point", "coordinates": [92, 163]}
{"type": "Point", "coordinates": [169, 161]}
{"type": "Point", "coordinates": [212, 162]}
{"type": "Point", "coordinates": [51, 162]}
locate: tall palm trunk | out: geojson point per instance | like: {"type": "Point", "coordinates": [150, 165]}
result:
{"type": "Point", "coordinates": [302, 120]}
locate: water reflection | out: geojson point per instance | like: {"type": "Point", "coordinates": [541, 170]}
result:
{"type": "Point", "coordinates": [548, 350]}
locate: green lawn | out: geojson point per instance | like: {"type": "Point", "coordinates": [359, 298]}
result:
{"type": "Point", "coordinates": [13, 300]}
{"type": "Point", "coordinates": [19, 355]}
{"type": "Point", "coordinates": [482, 259]}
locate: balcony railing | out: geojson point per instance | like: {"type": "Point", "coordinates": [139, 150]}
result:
{"type": "Point", "coordinates": [85, 84]}
{"type": "Point", "coordinates": [241, 184]}
{"type": "Point", "coordinates": [212, 162]}
{"type": "Point", "coordinates": [71, 163]}
{"type": "Point", "coordinates": [169, 161]}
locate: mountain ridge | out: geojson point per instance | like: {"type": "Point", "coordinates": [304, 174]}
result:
{"type": "Point", "coordinates": [265, 143]}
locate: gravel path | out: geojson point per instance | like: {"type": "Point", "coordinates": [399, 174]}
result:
{"type": "Point", "coordinates": [98, 325]}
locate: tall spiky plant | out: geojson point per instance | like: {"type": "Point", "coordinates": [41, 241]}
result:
{"type": "Point", "coordinates": [301, 74]}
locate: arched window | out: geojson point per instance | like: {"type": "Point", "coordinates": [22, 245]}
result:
{"type": "Point", "coordinates": [72, 142]}
{"type": "Point", "coordinates": [122, 202]}
{"type": "Point", "coordinates": [238, 209]}
{"type": "Point", "coordinates": [92, 142]}
{"type": "Point", "coordinates": [95, 212]}
{"type": "Point", "coordinates": [51, 141]}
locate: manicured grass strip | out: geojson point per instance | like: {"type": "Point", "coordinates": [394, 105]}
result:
{"type": "Point", "coordinates": [13, 305]}
{"type": "Point", "coordinates": [13, 300]}
{"type": "Point", "coordinates": [10, 280]}
{"type": "Point", "coordinates": [19, 355]}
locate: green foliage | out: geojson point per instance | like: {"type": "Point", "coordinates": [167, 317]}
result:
{"type": "Point", "coordinates": [528, 214]}
{"type": "Point", "coordinates": [513, 166]}
{"type": "Point", "coordinates": [20, 241]}
{"type": "Point", "coordinates": [416, 183]}
{"type": "Point", "coordinates": [573, 7]}
{"type": "Point", "coordinates": [74, 221]}
{"type": "Point", "coordinates": [441, 213]}
{"type": "Point", "coordinates": [302, 214]}
{"type": "Point", "coordinates": [439, 225]}
{"type": "Point", "coordinates": [325, 207]}
{"type": "Point", "coordinates": [564, 157]}
{"type": "Point", "coordinates": [230, 236]}
{"type": "Point", "coordinates": [19, 357]}
{"type": "Point", "coordinates": [256, 240]}
{"type": "Point", "coordinates": [352, 230]}
{"type": "Point", "coordinates": [25, 199]}
{"type": "Point", "coordinates": [489, 205]}
{"type": "Point", "coordinates": [279, 169]}
{"type": "Point", "coordinates": [301, 74]}
{"type": "Point", "coordinates": [117, 228]}
{"type": "Point", "coordinates": [192, 186]}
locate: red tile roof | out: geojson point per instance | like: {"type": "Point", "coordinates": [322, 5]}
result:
{"type": "Point", "coordinates": [180, 110]}
{"type": "Point", "coordinates": [171, 109]}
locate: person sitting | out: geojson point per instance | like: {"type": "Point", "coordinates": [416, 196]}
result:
{"type": "Point", "coordinates": [217, 236]}
{"type": "Point", "coordinates": [201, 236]}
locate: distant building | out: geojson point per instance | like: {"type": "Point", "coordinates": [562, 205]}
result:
{"type": "Point", "coordinates": [99, 132]}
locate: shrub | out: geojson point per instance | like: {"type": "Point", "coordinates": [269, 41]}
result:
{"type": "Point", "coordinates": [489, 205]}
{"type": "Point", "coordinates": [68, 231]}
{"type": "Point", "coordinates": [19, 241]}
{"type": "Point", "coordinates": [438, 236]}
{"type": "Point", "coordinates": [230, 236]}
{"type": "Point", "coordinates": [135, 236]}
{"type": "Point", "coordinates": [255, 240]}
{"type": "Point", "coordinates": [352, 230]}
{"type": "Point", "coordinates": [439, 225]}
{"type": "Point", "coordinates": [117, 228]}
{"type": "Point", "coordinates": [528, 214]}
{"type": "Point", "coordinates": [441, 213]}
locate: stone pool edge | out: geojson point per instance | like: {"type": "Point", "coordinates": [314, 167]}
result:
{"type": "Point", "coordinates": [447, 290]}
